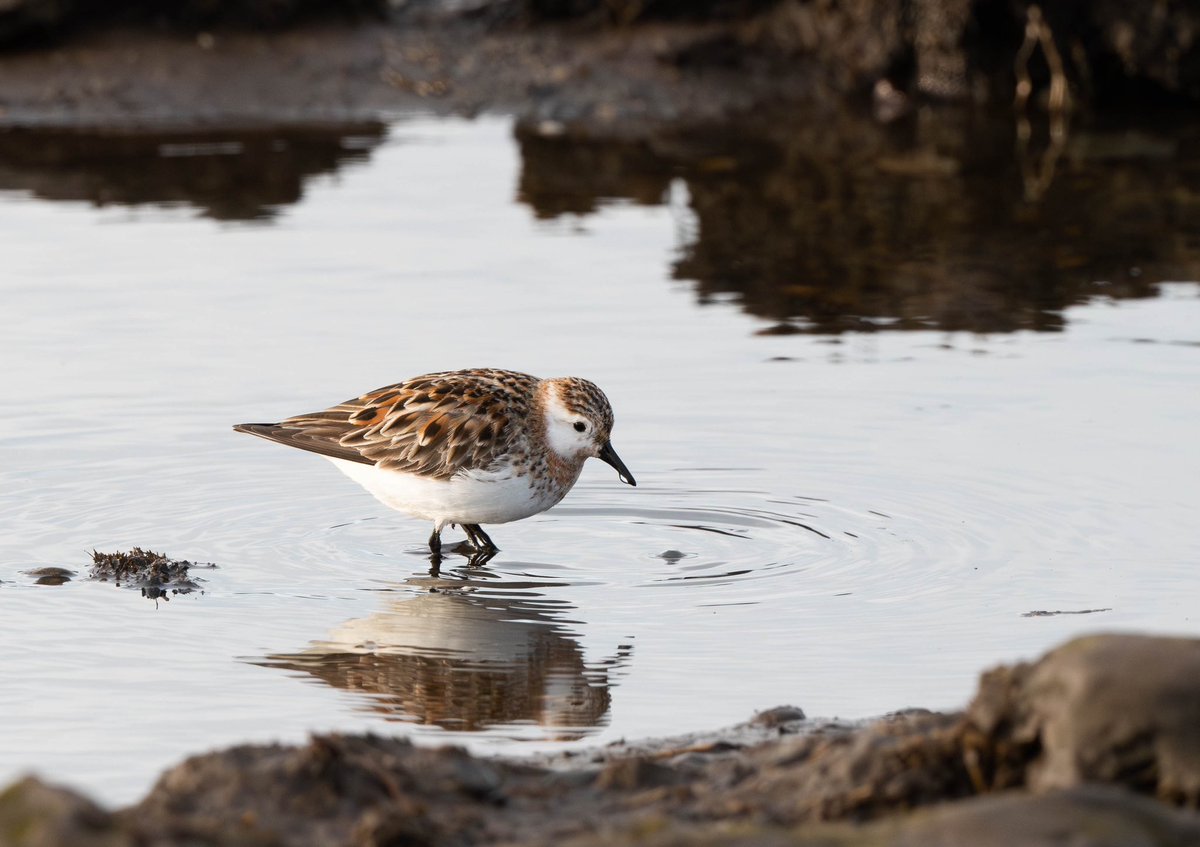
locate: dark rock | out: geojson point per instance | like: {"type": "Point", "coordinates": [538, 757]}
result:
{"type": "Point", "coordinates": [1129, 49]}
{"type": "Point", "coordinates": [50, 575]}
{"type": "Point", "coordinates": [780, 715]}
{"type": "Point", "coordinates": [881, 768]}
{"type": "Point", "coordinates": [34, 814]}
{"type": "Point", "coordinates": [19, 18]}
{"type": "Point", "coordinates": [323, 793]}
{"type": "Point", "coordinates": [1120, 709]}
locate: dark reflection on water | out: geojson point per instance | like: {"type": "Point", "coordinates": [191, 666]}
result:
{"type": "Point", "coordinates": [821, 223]}
{"type": "Point", "coordinates": [465, 660]}
{"type": "Point", "coordinates": [242, 174]}
{"type": "Point", "coordinates": [838, 223]}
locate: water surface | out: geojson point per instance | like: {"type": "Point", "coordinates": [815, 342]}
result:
{"type": "Point", "coordinates": [853, 522]}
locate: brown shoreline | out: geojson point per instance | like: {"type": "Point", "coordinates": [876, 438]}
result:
{"type": "Point", "coordinates": [325, 73]}
{"type": "Point", "coordinates": [567, 65]}
{"type": "Point", "coordinates": [1098, 741]}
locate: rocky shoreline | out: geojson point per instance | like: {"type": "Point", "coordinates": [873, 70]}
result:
{"type": "Point", "coordinates": [618, 68]}
{"type": "Point", "coordinates": [1097, 742]}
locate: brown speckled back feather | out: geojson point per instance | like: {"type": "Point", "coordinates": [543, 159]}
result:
{"type": "Point", "coordinates": [433, 425]}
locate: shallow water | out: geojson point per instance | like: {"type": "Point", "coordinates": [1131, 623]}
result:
{"type": "Point", "coordinates": [852, 523]}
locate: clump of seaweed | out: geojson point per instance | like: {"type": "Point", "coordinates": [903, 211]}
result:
{"type": "Point", "coordinates": [155, 574]}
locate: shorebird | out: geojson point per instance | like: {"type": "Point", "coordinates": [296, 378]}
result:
{"type": "Point", "coordinates": [469, 447]}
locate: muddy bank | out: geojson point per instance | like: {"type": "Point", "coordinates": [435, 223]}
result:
{"type": "Point", "coordinates": [610, 67]}
{"type": "Point", "coordinates": [1100, 739]}
{"type": "Point", "coordinates": [605, 80]}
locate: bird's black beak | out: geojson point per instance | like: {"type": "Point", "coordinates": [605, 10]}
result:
{"type": "Point", "coordinates": [609, 455]}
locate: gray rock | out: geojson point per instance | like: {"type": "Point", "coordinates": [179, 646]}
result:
{"type": "Point", "coordinates": [1120, 709]}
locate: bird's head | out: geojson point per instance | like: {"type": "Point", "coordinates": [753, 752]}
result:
{"type": "Point", "coordinates": [579, 422]}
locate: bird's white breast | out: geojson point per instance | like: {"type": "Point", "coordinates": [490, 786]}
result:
{"type": "Point", "coordinates": [475, 497]}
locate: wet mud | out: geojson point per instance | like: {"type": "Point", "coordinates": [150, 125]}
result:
{"type": "Point", "coordinates": [1101, 735]}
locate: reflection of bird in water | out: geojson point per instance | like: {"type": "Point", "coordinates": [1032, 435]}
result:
{"type": "Point", "coordinates": [463, 447]}
{"type": "Point", "coordinates": [464, 662]}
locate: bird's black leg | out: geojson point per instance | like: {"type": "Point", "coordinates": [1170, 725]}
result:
{"type": "Point", "coordinates": [485, 548]}
{"type": "Point", "coordinates": [435, 541]}
{"type": "Point", "coordinates": [479, 538]}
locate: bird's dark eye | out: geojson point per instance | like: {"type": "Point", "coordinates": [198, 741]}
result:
{"type": "Point", "coordinates": [580, 426]}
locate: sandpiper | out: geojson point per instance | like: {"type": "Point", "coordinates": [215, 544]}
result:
{"type": "Point", "coordinates": [469, 447]}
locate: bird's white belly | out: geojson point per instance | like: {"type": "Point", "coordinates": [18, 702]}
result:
{"type": "Point", "coordinates": [476, 499]}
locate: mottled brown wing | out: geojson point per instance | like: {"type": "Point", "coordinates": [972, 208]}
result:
{"type": "Point", "coordinates": [433, 425]}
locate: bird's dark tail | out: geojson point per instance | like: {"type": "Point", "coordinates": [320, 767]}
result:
{"type": "Point", "coordinates": [269, 431]}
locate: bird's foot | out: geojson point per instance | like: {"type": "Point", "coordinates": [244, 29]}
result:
{"type": "Point", "coordinates": [479, 539]}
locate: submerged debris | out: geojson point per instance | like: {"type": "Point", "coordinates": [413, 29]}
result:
{"type": "Point", "coordinates": [50, 575]}
{"type": "Point", "coordinates": [1042, 613]}
{"type": "Point", "coordinates": [155, 574]}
